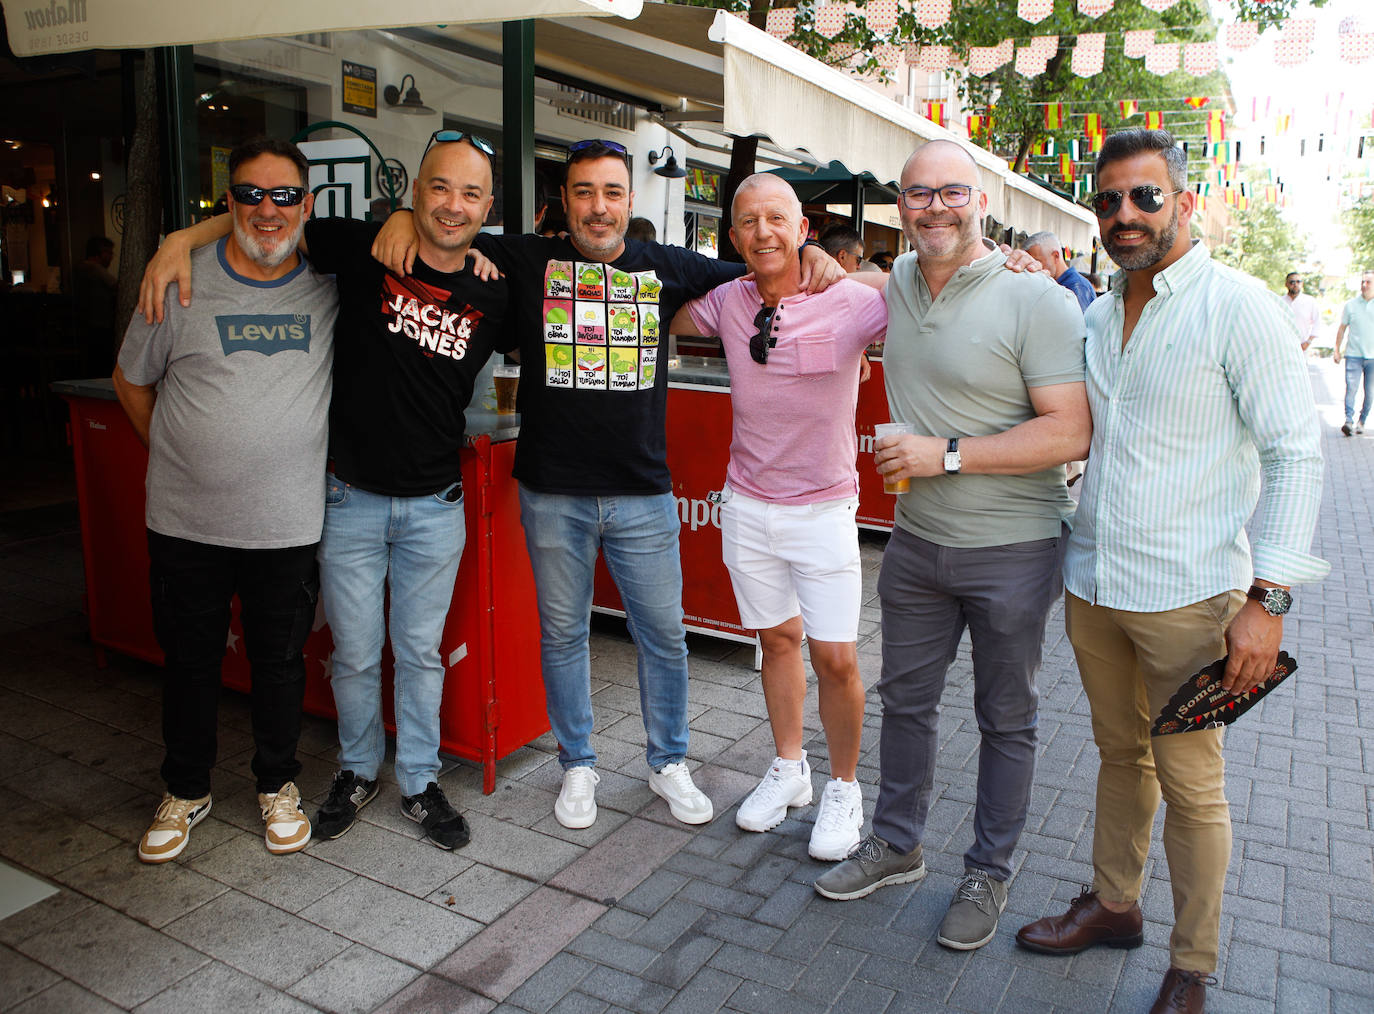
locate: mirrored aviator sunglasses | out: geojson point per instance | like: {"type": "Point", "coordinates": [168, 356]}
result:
{"type": "Point", "coordinates": [1148, 198]}
{"type": "Point", "coordinates": [450, 136]}
{"type": "Point", "coordinates": [763, 339]}
{"type": "Point", "coordinates": [282, 197]}
{"type": "Point", "coordinates": [596, 142]}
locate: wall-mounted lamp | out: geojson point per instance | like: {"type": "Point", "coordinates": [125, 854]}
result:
{"type": "Point", "coordinates": [669, 169]}
{"type": "Point", "coordinates": [410, 101]}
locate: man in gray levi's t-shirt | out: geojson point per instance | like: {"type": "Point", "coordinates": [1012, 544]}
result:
{"type": "Point", "coordinates": [231, 395]}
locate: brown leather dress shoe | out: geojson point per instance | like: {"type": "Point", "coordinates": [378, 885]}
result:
{"type": "Point", "coordinates": [1183, 992]}
{"type": "Point", "coordinates": [1087, 923]}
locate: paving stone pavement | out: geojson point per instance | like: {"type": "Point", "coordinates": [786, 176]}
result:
{"type": "Point", "coordinates": [640, 913]}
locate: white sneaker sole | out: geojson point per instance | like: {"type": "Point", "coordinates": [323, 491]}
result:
{"type": "Point", "coordinates": [777, 816]}
{"type": "Point", "coordinates": [575, 823]}
{"type": "Point", "coordinates": [686, 816]}
{"type": "Point", "coordinates": [165, 857]}
{"type": "Point", "coordinates": [965, 945]}
{"type": "Point", "coordinates": [834, 853]}
{"type": "Point", "coordinates": [909, 877]}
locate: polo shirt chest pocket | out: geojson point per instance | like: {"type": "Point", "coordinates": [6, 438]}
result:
{"type": "Point", "coordinates": [815, 354]}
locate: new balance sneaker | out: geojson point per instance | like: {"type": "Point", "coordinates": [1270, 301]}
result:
{"type": "Point", "coordinates": [788, 783]}
{"type": "Point", "coordinates": [872, 864]}
{"type": "Point", "coordinates": [171, 827]}
{"type": "Point", "coordinates": [686, 802]}
{"type": "Point", "coordinates": [972, 917]}
{"type": "Point", "coordinates": [576, 805]}
{"type": "Point", "coordinates": [288, 828]}
{"type": "Point", "coordinates": [839, 819]}
{"type": "Point", "coordinates": [347, 796]}
{"type": "Point", "coordinates": [444, 826]}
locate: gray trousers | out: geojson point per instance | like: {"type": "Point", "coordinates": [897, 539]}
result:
{"type": "Point", "coordinates": [930, 594]}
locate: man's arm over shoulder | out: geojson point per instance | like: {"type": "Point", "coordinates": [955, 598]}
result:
{"type": "Point", "coordinates": [697, 273]}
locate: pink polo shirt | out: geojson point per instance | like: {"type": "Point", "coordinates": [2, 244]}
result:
{"type": "Point", "coordinates": [793, 438]}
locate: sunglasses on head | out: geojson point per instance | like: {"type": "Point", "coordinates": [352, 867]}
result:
{"type": "Point", "coordinates": [1148, 198]}
{"type": "Point", "coordinates": [282, 197]}
{"type": "Point", "coordinates": [450, 136]}
{"type": "Point", "coordinates": [580, 146]}
{"type": "Point", "coordinates": [763, 339]}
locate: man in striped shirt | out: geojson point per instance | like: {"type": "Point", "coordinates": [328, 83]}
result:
{"type": "Point", "coordinates": [1196, 386]}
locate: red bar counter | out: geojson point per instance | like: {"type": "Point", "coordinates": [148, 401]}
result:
{"type": "Point", "coordinates": [493, 693]}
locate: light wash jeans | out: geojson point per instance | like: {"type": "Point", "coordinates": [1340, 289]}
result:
{"type": "Point", "coordinates": [638, 536]}
{"type": "Point", "coordinates": [415, 543]}
{"type": "Point", "coordinates": [1357, 370]}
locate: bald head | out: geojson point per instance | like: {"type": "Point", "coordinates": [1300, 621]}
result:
{"type": "Point", "coordinates": [944, 155]}
{"type": "Point", "coordinates": [766, 185]}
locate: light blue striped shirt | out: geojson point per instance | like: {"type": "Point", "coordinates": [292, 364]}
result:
{"type": "Point", "coordinates": [1210, 393]}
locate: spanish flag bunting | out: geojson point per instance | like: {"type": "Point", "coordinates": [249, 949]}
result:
{"type": "Point", "coordinates": [1282, 123]}
{"type": "Point", "coordinates": [1202, 202]}
{"type": "Point", "coordinates": [1095, 139]}
{"type": "Point", "coordinates": [1066, 166]}
{"type": "Point", "coordinates": [1092, 124]}
{"type": "Point", "coordinates": [1242, 203]}
{"type": "Point", "coordinates": [975, 123]}
{"type": "Point", "coordinates": [1054, 115]}
{"type": "Point", "coordinates": [936, 111]}
{"type": "Point", "coordinates": [1216, 126]}
{"type": "Point", "coordinates": [1197, 101]}
{"type": "Point", "coordinates": [1154, 121]}
{"type": "Point", "coordinates": [1129, 107]}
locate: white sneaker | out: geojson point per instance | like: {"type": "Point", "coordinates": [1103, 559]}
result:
{"type": "Point", "coordinates": [686, 802]}
{"type": "Point", "coordinates": [288, 828]}
{"type": "Point", "coordinates": [576, 805]}
{"type": "Point", "coordinates": [839, 819]}
{"type": "Point", "coordinates": [1359, 428]}
{"type": "Point", "coordinates": [767, 805]}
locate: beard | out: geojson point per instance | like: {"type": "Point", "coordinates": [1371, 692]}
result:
{"type": "Point", "coordinates": [589, 244]}
{"type": "Point", "coordinates": [1156, 247]}
{"type": "Point", "coordinates": [269, 253]}
{"type": "Point", "coordinates": [956, 244]}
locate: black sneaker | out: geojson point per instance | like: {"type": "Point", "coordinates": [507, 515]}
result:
{"type": "Point", "coordinates": [347, 796]}
{"type": "Point", "coordinates": [1347, 429]}
{"type": "Point", "coordinates": [443, 825]}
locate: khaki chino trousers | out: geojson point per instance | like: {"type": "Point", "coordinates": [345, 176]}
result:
{"type": "Point", "coordinates": [1131, 664]}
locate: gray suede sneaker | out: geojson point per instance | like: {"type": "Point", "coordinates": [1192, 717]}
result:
{"type": "Point", "coordinates": [972, 917]}
{"type": "Point", "coordinates": [872, 864]}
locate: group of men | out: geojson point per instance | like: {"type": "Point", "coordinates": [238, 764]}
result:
{"type": "Point", "coordinates": [991, 367]}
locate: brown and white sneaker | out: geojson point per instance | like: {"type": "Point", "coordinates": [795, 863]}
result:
{"type": "Point", "coordinates": [288, 828]}
{"type": "Point", "coordinates": [170, 830]}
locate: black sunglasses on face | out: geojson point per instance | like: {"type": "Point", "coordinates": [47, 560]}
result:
{"type": "Point", "coordinates": [763, 340]}
{"type": "Point", "coordinates": [1147, 198]}
{"type": "Point", "coordinates": [449, 136]}
{"type": "Point", "coordinates": [282, 197]}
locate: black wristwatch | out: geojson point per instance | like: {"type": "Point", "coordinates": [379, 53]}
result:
{"type": "Point", "coordinates": [952, 460]}
{"type": "Point", "coordinates": [1275, 601]}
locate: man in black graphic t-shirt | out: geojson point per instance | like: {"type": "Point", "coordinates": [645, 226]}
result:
{"type": "Point", "coordinates": [591, 314]}
{"type": "Point", "coordinates": [407, 352]}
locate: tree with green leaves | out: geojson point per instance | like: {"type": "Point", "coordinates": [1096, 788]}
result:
{"type": "Point", "coordinates": [1263, 243]}
{"type": "Point", "coordinates": [1359, 230]}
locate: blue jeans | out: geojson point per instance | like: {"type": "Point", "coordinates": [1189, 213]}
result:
{"type": "Point", "coordinates": [415, 543]}
{"type": "Point", "coordinates": [638, 537]}
{"type": "Point", "coordinates": [1357, 369]}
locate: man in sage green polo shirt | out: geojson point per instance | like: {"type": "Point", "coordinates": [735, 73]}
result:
{"type": "Point", "coordinates": [1358, 319]}
{"type": "Point", "coordinates": [988, 366]}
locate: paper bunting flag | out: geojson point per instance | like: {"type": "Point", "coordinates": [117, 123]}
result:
{"type": "Point", "coordinates": [1095, 139]}
{"type": "Point", "coordinates": [781, 21]}
{"type": "Point", "coordinates": [1054, 115]}
{"type": "Point", "coordinates": [840, 52]}
{"type": "Point", "coordinates": [984, 60]}
{"type": "Point", "coordinates": [932, 13]}
{"type": "Point", "coordinates": [1092, 124]}
{"type": "Point", "coordinates": [912, 51]}
{"type": "Point", "coordinates": [1087, 54]}
{"type": "Point", "coordinates": [1137, 43]}
{"type": "Point", "coordinates": [1044, 45]}
{"type": "Point", "coordinates": [1241, 35]}
{"type": "Point", "coordinates": [1066, 166]}
{"type": "Point", "coordinates": [1216, 126]}
{"type": "Point", "coordinates": [1158, 5]}
{"type": "Point", "coordinates": [888, 56]}
{"type": "Point", "coordinates": [935, 112]}
{"type": "Point", "coordinates": [1128, 107]}
{"type": "Point", "coordinates": [830, 20]}
{"type": "Point", "coordinates": [1034, 11]}
{"type": "Point", "coordinates": [934, 58]}
{"type": "Point", "coordinates": [881, 15]}
{"type": "Point", "coordinates": [1162, 58]}
{"type": "Point", "coordinates": [1304, 30]}
{"type": "Point", "coordinates": [1350, 25]}
{"type": "Point", "coordinates": [1200, 58]}
{"type": "Point", "coordinates": [1094, 8]}
{"type": "Point", "coordinates": [973, 124]}
{"type": "Point", "coordinates": [1197, 101]}
{"type": "Point", "coordinates": [1199, 702]}
{"type": "Point", "coordinates": [1029, 63]}
{"type": "Point", "coordinates": [1154, 121]}
{"type": "Point", "coordinates": [1357, 47]}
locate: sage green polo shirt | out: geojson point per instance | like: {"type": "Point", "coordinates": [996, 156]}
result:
{"type": "Point", "coordinates": [962, 366]}
{"type": "Point", "coordinates": [1358, 317]}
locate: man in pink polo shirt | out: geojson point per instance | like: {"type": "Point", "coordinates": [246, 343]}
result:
{"type": "Point", "coordinates": [787, 521]}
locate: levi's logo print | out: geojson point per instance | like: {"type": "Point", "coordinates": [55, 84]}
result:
{"type": "Point", "coordinates": [601, 327]}
{"type": "Point", "coordinates": [267, 333]}
{"type": "Point", "coordinates": [420, 313]}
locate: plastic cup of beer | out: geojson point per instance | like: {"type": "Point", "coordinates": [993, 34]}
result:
{"type": "Point", "coordinates": [893, 429]}
{"type": "Point", "coordinates": [507, 380]}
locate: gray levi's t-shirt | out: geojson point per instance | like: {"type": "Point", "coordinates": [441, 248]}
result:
{"type": "Point", "coordinates": [962, 366]}
{"type": "Point", "coordinates": [236, 448]}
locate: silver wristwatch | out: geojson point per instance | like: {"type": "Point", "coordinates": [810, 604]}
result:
{"type": "Point", "coordinates": [952, 457]}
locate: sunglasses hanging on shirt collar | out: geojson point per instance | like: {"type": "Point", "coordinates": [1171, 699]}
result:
{"type": "Point", "coordinates": [763, 338]}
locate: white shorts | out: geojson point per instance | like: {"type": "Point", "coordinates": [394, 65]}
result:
{"type": "Point", "coordinates": [786, 559]}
